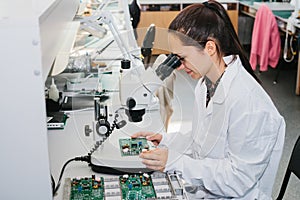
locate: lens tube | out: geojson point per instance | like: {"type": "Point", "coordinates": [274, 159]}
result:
{"type": "Point", "coordinates": [166, 68]}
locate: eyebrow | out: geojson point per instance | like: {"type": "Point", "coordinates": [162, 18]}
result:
{"type": "Point", "coordinates": [177, 54]}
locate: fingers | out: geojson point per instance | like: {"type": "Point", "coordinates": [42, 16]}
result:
{"type": "Point", "coordinates": [154, 136]}
{"type": "Point", "coordinates": [155, 159]}
{"type": "Point", "coordinates": [154, 164]}
{"type": "Point", "coordinates": [142, 134]}
{"type": "Point", "coordinates": [150, 155]}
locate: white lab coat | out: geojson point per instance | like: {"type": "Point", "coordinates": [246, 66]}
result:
{"type": "Point", "coordinates": [235, 145]}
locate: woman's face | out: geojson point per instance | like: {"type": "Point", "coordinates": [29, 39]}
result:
{"type": "Point", "coordinates": [195, 62]}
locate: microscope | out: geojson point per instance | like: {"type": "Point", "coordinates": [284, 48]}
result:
{"type": "Point", "coordinates": [137, 87]}
{"type": "Point", "coordinates": [137, 91]}
{"type": "Point", "coordinates": [136, 96]}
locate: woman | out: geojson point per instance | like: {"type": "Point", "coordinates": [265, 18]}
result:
{"type": "Point", "coordinates": [237, 136]}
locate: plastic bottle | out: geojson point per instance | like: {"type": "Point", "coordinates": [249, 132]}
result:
{"type": "Point", "coordinates": [53, 92]}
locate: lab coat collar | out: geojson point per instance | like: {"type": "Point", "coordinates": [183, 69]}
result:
{"type": "Point", "coordinates": [210, 140]}
{"type": "Point", "coordinates": [227, 78]}
{"type": "Point", "coordinates": [224, 85]}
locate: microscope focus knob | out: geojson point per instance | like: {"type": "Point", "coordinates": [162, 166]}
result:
{"type": "Point", "coordinates": [125, 64]}
{"type": "Point", "coordinates": [102, 127]}
{"type": "Point", "coordinates": [130, 103]}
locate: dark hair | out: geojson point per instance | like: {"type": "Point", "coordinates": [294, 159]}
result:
{"type": "Point", "coordinates": [202, 22]}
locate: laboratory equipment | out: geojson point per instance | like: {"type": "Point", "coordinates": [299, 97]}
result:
{"type": "Point", "coordinates": [86, 188]}
{"type": "Point", "coordinates": [148, 43]}
{"type": "Point", "coordinates": [95, 29]}
{"type": "Point", "coordinates": [137, 85]}
{"type": "Point", "coordinates": [109, 126]}
{"type": "Point", "coordinates": [136, 95]}
{"type": "Point", "coordinates": [101, 126]}
{"type": "Point", "coordinates": [106, 156]}
{"type": "Point", "coordinates": [53, 92]}
{"type": "Point", "coordinates": [140, 186]}
{"type": "Point", "coordinates": [134, 146]}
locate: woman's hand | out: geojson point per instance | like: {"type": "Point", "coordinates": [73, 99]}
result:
{"type": "Point", "coordinates": [155, 138]}
{"type": "Point", "coordinates": [155, 159]}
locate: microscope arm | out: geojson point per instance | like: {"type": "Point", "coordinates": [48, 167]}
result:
{"type": "Point", "coordinates": [143, 94]}
{"type": "Point", "coordinates": [93, 24]}
{"type": "Point", "coordinates": [137, 85]}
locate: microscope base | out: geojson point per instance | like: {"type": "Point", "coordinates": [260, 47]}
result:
{"type": "Point", "coordinates": [117, 170]}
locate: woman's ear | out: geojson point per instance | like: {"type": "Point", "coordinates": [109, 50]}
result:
{"type": "Point", "coordinates": [210, 47]}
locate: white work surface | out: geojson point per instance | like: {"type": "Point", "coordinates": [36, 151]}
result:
{"type": "Point", "coordinates": [72, 142]}
{"type": "Point", "coordinates": [180, 1]}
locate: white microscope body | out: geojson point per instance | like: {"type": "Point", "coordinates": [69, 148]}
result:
{"type": "Point", "coordinates": [137, 90]}
{"type": "Point", "coordinates": [136, 94]}
{"type": "Point", "coordinates": [137, 85]}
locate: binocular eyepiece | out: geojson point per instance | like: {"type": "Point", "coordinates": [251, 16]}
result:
{"type": "Point", "coordinates": [167, 66]}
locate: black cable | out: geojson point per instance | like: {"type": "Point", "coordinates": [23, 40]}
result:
{"type": "Point", "coordinates": [99, 143]}
{"type": "Point", "coordinates": [82, 158]}
{"type": "Point", "coordinates": [53, 184]}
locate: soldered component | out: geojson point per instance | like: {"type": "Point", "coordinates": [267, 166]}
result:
{"type": "Point", "coordinates": [133, 146]}
{"type": "Point", "coordinates": [87, 188]}
{"type": "Point", "coordinates": [126, 187]}
{"type": "Point", "coordinates": [137, 186]}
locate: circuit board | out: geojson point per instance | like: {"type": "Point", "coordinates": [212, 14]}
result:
{"type": "Point", "coordinates": [137, 187]}
{"type": "Point", "coordinates": [91, 188]}
{"type": "Point", "coordinates": [133, 146]}
{"type": "Point", "coordinates": [126, 187]}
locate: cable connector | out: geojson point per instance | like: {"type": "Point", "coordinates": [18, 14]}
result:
{"type": "Point", "coordinates": [84, 158]}
{"type": "Point", "coordinates": [81, 158]}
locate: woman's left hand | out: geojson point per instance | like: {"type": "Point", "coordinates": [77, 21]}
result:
{"type": "Point", "coordinates": [155, 159]}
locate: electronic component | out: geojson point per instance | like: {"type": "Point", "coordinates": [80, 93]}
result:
{"type": "Point", "coordinates": [86, 188]}
{"type": "Point", "coordinates": [134, 146]}
{"type": "Point", "coordinates": [140, 186]}
{"type": "Point", "coordinates": [137, 187]}
{"type": "Point", "coordinates": [56, 120]}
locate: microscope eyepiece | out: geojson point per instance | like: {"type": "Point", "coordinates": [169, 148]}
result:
{"type": "Point", "coordinates": [167, 66]}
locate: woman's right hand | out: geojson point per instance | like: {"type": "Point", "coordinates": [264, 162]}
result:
{"type": "Point", "coordinates": [155, 138]}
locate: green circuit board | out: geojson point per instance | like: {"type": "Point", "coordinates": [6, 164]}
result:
{"type": "Point", "coordinates": [91, 188]}
{"type": "Point", "coordinates": [133, 146]}
{"type": "Point", "coordinates": [137, 187]}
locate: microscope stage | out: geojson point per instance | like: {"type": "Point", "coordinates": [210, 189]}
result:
{"type": "Point", "coordinates": [121, 156]}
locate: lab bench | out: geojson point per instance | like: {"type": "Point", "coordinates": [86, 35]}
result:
{"type": "Point", "coordinates": [73, 141]}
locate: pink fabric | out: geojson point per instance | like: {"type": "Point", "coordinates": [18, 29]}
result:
{"type": "Point", "coordinates": [265, 47]}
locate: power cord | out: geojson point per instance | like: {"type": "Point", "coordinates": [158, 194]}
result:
{"type": "Point", "coordinates": [99, 143]}
{"type": "Point", "coordinates": [82, 158]}
{"type": "Point", "coordinates": [53, 184]}
{"type": "Point", "coordinates": [285, 51]}
{"type": "Point", "coordinates": [87, 158]}
{"type": "Point", "coordinates": [290, 28]}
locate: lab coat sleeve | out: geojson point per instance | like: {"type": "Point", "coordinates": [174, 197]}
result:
{"type": "Point", "coordinates": [172, 141]}
{"type": "Point", "coordinates": [251, 137]}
